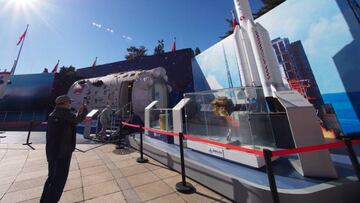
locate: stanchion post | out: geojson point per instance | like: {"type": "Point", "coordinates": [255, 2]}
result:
{"type": "Point", "coordinates": [28, 137]}
{"type": "Point", "coordinates": [141, 159]}
{"type": "Point", "coordinates": [270, 174]}
{"type": "Point", "coordinates": [183, 186]}
{"type": "Point", "coordinates": [120, 144]}
{"type": "Point", "coordinates": [353, 157]}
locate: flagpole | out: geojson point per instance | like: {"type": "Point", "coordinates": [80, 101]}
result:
{"type": "Point", "coordinates": [18, 56]}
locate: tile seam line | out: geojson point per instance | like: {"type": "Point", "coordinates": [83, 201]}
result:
{"type": "Point", "coordinates": [22, 168]}
{"type": "Point", "coordinates": [114, 178]}
{"type": "Point", "coordinates": [82, 182]}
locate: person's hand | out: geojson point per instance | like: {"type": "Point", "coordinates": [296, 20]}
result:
{"type": "Point", "coordinates": [81, 109]}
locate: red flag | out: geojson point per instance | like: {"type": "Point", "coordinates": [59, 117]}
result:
{"type": "Point", "coordinates": [234, 22]}
{"type": "Point", "coordinates": [94, 64]}
{"type": "Point", "coordinates": [55, 68]}
{"type": "Point", "coordinates": [173, 49]}
{"type": "Point", "coordinates": [21, 38]}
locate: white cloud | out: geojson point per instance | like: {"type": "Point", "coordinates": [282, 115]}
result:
{"type": "Point", "coordinates": [326, 37]}
{"type": "Point", "coordinates": [213, 83]}
{"type": "Point", "coordinates": [127, 37]}
{"type": "Point", "coordinates": [109, 30]}
{"type": "Point", "coordinates": [96, 24]}
{"type": "Point", "coordinates": [323, 36]}
{"type": "Point", "coordinates": [291, 17]}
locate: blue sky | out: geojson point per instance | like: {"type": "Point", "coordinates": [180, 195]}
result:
{"type": "Point", "coordinates": [69, 30]}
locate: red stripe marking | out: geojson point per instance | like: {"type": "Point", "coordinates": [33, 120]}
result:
{"type": "Point", "coordinates": [227, 146]}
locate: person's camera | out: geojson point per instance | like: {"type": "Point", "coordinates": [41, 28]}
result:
{"type": "Point", "coordinates": [86, 101]}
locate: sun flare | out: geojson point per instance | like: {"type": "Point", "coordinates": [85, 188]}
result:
{"type": "Point", "coordinates": [28, 11]}
{"type": "Point", "coordinates": [24, 3]}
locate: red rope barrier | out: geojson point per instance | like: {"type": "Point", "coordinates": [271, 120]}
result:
{"type": "Point", "coordinates": [88, 121]}
{"type": "Point", "coordinates": [40, 122]}
{"type": "Point", "coordinates": [131, 125]}
{"type": "Point", "coordinates": [308, 148]}
{"type": "Point", "coordinates": [162, 132]}
{"type": "Point", "coordinates": [355, 141]}
{"type": "Point", "coordinates": [282, 152]}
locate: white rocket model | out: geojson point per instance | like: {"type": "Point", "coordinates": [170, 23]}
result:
{"type": "Point", "coordinates": [258, 64]}
{"type": "Point", "coordinates": [258, 67]}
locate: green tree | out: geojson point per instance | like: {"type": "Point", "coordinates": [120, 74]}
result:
{"type": "Point", "coordinates": [197, 51]}
{"type": "Point", "coordinates": [134, 52]}
{"type": "Point", "coordinates": [230, 28]}
{"type": "Point", "coordinates": [267, 6]}
{"type": "Point", "coordinates": [65, 78]}
{"type": "Point", "coordinates": [67, 71]}
{"type": "Point", "coordinates": [159, 49]}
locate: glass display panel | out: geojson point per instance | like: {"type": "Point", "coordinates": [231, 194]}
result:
{"type": "Point", "coordinates": [237, 116]}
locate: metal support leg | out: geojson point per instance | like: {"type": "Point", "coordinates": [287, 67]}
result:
{"type": "Point", "coordinates": [353, 158]}
{"type": "Point", "coordinates": [28, 137]}
{"type": "Point", "coordinates": [141, 159]}
{"type": "Point", "coordinates": [183, 186]}
{"type": "Point", "coordinates": [271, 177]}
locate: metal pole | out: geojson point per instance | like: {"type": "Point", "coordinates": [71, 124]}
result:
{"type": "Point", "coordinates": [270, 174]}
{"type": "Point", "coordinates": [183, 186]}
{"type": "Point", "coordinates": [121, 144]}
{"type": "Point", "coordinates": [28, 137]}
{"type": "Point", "coordinates": [18, 56]}
{"type": "Point", "coordinates": [353, 157]}
{"type": "Point", "coordinates": [141, 159]}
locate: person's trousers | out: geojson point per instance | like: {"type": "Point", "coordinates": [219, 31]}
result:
{"type": "Point", "coordinates": [55, 183]}
{"type": "Point", "coordinates": [104, 126]}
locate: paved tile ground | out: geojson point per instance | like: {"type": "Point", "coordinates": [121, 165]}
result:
{"type": "Point", "coordinates": [101, 174]}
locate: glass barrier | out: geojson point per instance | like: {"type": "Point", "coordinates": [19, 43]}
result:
{"type": "Point", "coordinates": [161, 119]}
{"type": "Point", "coordinates": [237, 116]}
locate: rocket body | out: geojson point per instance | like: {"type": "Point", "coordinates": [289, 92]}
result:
{"type": "Point", "coordinates": [257, 60]}
{"type": "Point", "coordinates": [243, 11]}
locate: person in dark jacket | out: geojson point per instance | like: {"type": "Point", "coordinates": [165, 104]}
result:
{"type": "Point", "coordinates": [60, 144]}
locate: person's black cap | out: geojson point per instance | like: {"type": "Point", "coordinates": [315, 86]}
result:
{"type": "Point", "coordinates": [62, 98]}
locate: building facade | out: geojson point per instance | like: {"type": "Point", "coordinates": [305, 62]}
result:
{"type": "Point", "coordinates": [297, 70]}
